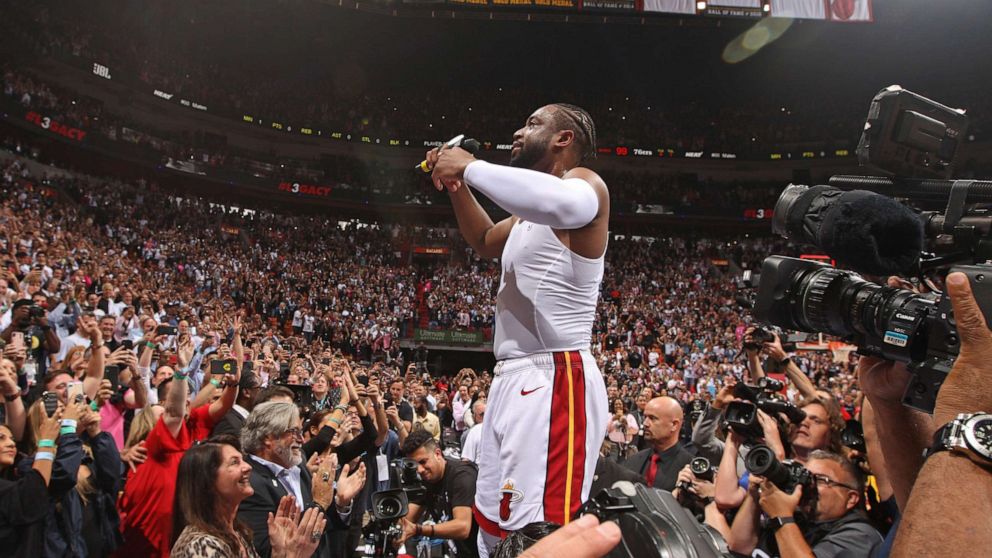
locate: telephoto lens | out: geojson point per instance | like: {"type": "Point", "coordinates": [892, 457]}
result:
{"type": "Point", "coordinates": [761, 461]}
{"type": "Point", "coordinates": [810, 296]}
{"type": "Point", "coordinates": [786, 475]}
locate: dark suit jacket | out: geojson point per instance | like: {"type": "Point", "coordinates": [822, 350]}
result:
{"type": "Point", "coordinates": [231, 424]}
{"type": "Point", "coordinates": [672, 461]}
{"type": "Point", "coordinates": [609, 472]}
{"type": "Point", "coordinates": [254, 510]}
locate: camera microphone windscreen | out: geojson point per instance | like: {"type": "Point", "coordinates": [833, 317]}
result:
{"type": "Point", "coordinates": [869, 232]}
{"type": "Point", "coordinates": [872, 233]}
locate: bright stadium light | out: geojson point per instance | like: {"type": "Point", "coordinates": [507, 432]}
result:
{"type": "Point", "coordinates": [700, 6]}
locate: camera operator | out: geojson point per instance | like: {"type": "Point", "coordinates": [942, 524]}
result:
{"type": "Point", "coordinates": [785, 364]}
{"type": "Point", "coordinates": [830, 526]}
{"type": "Point", "coordinates": [819, 430]}
{"type": "Point", "coordinates": [449, 496]}
{"type": "Point", "coordinates": [953, 488]}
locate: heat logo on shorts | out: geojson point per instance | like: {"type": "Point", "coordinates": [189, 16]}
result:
{"type": "Point", "coordinates": [510, 495]}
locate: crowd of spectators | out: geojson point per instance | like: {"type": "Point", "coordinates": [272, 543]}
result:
{"type": "Point", "coordinates": [234, 87]}
{"type": "Point", "coordinates": [634, 191]}
{"type": "Point", "coordinates": [168, 286]}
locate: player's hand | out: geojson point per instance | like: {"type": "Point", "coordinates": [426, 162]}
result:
{"type": "Point", "coordinates": [449, 170]}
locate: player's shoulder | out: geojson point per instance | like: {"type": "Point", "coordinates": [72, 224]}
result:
{"type": "Point", "coordinates": [587, 174]}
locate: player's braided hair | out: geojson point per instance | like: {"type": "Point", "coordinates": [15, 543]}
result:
{"type": "Point", "coordinates": [568, 116]}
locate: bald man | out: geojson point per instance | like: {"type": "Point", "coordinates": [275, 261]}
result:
{"type": "Point", "coordinates": [659, 464]}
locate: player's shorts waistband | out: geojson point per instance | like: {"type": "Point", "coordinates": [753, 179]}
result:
{"type": "Point", "coordinates": [536, 360]}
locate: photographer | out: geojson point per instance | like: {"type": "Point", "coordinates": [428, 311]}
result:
{"type": "Point", "coordinates": [448, 500]}
{"type": "Point", "coordinates": [40, 338]}
{"type": "Point", "coordinates": [830, 526]}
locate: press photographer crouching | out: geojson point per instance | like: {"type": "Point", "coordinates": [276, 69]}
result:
{"type": "Point", "coordinates": [809, 511]}
{"type": "Point", "coordinates": [447, 500]}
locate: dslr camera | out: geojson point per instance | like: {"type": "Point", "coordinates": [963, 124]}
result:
{"type": "Point", "coordinates": [850, 220]}
{"type": "Point", "coordinates": [786, 475]}
{"type": "Point", "coordinates": [742, 416]}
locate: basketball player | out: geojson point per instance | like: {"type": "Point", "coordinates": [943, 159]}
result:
{"type": "Point", "coordinates": [547, 409]}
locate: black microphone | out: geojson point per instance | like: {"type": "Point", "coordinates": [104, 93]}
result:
{"type": "Point", "coordinates": [872, 233]}
{"type": "Point", "coordinates": [468, 144]}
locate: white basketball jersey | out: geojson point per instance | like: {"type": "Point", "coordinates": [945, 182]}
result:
{"type": "Point", "coordinates": [547, 295]}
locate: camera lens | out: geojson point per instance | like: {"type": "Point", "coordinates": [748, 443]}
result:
{"type": "Point", "coordinates": [388, 507]}
{"type": "Point", "coordinates": [809, 296]}
{"type": "Point", "coordinates": [761, 461]}
{"type": "Point", "coordinates": [699, 465]}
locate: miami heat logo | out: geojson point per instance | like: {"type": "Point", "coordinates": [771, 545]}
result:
{"type": "Point", "coordinates": [510, 495]}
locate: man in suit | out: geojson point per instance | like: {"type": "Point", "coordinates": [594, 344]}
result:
{"type": "Point", "coordinates": [660, 463]}
{"type": "Point", "coordinates": [234, 420]}
{"type": "Point", "coordinates": [271, 440]}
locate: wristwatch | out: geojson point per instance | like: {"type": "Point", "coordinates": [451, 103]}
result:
{"type": "Point", "coordinates": [776, 523]}
{"type": "Point", "coordinates": [969, 434]}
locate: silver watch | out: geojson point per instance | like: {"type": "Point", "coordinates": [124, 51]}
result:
{"type": "Point", "coordinates": [969, 434]}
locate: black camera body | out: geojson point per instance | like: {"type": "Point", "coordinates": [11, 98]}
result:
{"type": "Point", "coordinates": [389, 506]}
{"type": "Point", "coordinates": [653, 524]}
{"type": "Point", "coordinates": [742, 418]}
{"type": "Point", "coordinates": [882, 321]}
{"type": "Point", "coordinates": [915, 139]}
{"type": "Point", "coordinates": [786, 475]}
{"type": "Point", "coordinates": [759, 336]}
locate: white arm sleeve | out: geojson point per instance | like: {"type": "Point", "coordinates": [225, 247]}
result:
{"type": "Point", "coordinates": [535, 196]}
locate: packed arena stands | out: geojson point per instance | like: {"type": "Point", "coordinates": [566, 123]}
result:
{"type": "Point", "coordinates": [191, 367]}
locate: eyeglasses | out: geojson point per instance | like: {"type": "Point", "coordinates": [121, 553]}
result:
{"type": "Point", "coordinates": [295, 432]}
{"type": "Point", "coordinates": [824, 479]}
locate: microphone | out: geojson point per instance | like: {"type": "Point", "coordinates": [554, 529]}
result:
{"type": "Point", "coordinates": [468, 144]}
{"type": "Point", "coordinates": [872, 233]}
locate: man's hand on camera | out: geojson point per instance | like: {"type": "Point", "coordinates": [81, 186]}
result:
{"type": "Point", "coordinates": [726, 393]}
{"type": "Point", "coordinates": [408, 529]}
{"type": "Point", "coordinates": [966, 388]}
{"type": "Point", "coordinates": [774, 349]}
{"type": "Point", "coordinates": [774, 502]}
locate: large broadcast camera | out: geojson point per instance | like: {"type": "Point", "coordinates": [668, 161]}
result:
{"type": "Point", "coordinates": [653, 524]}
{"type": "Point", "coordinates": [905, 134]}
{"type": "Point", "coordinates": [389, 506]}
{"type": "Point", "coordinates": [741, 416]}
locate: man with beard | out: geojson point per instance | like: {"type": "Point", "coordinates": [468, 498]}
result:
{"type": "Point", "coordinates": [450, 486]}
{"type": "Point", "coordinates": [272, 441]}
{"type": "Point", "coordinates": [547, 405]}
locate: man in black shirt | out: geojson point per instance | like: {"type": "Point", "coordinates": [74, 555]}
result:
{"type": "Point", "coordinates": [448, 500]}
{"type": "Point", "coordinates": [660, 463]}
